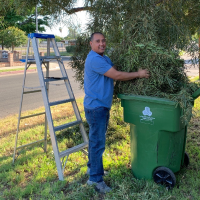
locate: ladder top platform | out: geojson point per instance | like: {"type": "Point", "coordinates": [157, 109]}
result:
{"type": "Point", "coordinates": [40, 35]}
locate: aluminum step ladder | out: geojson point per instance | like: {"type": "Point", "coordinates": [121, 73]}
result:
{"type": "Point", "coordinates": [44, 87]}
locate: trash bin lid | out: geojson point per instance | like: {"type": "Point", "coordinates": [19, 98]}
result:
{"type": "Point", "coordinates": [147, 99]}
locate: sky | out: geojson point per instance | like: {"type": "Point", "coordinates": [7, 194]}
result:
{"type": "Point", "coordinates": [80, 17]}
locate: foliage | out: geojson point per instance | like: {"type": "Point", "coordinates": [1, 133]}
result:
{"type": "Point", "coordinates": [142, 34]}
{"type": "Point", "coordinates": [192, 15]}
{"type": "Point", "coordinates": [58, 9]}
{"type": "Point", "coordinates": [81, 50]}
{"type": "Point", "coordinates": [58, 38]}
{"type": "Point", "coordinates": [74, 32]}
{"type": "Point", "coordinates": [25, 22]}
{"type": "Point", "coordinates": [34, 173]}
{"type": "Point", "coordinates": [14, 37]}
{"type": "Point", "coordinates": [52, 7]}
{"type": "Point", "coordinates": [70, 49]}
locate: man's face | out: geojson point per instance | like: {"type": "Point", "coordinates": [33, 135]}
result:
{"type": "Point", "coordinates": [98, 44]}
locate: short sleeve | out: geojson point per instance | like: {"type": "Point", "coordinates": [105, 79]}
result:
{"type": "Point", "coordinates": [100, 64]}
{"type": "Point", "coordinates": [108, 59]}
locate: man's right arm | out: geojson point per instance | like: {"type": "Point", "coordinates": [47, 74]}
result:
{"type": "Point", "coordinates": [125, 76]}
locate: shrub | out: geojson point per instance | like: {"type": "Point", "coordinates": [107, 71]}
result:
{"type": "Point", "coordinates": [70, 49]}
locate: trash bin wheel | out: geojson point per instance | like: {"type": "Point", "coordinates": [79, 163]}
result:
{"type": "Point", "coordinates": [164, 176]}
{"type": "Point", "coordinates": [186, 159]}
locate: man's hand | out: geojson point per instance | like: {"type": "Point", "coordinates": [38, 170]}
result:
{"type": "Point", "coordinates": [143, 73]}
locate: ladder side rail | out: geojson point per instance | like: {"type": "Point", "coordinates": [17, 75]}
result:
{"type": "Point", "coordinates": [69, 88]}
{"type": "Point", "coordinates": [47, 109]}
{"type": "Point", "coordinates": [47, 87]}
{"type": "Point", "coordinates": [62, 69]}
{"type": "Point", "coordinates": [20, 108]}
{"type": "Point", "coordinates": [67, 83]}
{"type": "Point", "coordinates": [83, 133]}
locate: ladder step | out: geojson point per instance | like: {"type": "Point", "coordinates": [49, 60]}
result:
{"type": "Point", "coordinates": [61, 102]}
{"type": "Point", "coordinates": [32, 61]}
{"type": "Point", "coordinates": [48, 79]}
{"type": "Point", "coordinates": [73, 149]}
{"type": "Point", "coordinates": [50, 57]}
{"type": "Point", "coordinates": [31, 144]}
{"type": "Point", "coordinates": [33, 91]}
{"type": "Point", "coordinates": [28, 116]}
{"type": "Point", "coordinates": [57, 128]}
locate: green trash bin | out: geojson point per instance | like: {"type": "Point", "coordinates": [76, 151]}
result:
{"type": "Point", "coordinates": [158, 137]}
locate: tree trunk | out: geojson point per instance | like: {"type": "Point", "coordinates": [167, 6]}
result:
{"type": "Point", "coordinates": [13, 48]}
{"type": "Point", "coordinates": [2, 46]}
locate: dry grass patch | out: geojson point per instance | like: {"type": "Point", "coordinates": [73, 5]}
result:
{"type": "Point", "coordinates": [9, 124]}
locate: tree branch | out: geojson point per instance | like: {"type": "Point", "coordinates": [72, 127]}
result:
{"type": "Point", "coordinates": [74, 10]}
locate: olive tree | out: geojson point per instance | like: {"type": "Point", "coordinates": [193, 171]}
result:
{"type": "Point", "coordinates": [144, 34]}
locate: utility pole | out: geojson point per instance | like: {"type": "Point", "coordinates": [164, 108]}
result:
{"type": "Point", "coordinates": [36, 19]}
{"type": "Point", "coordinates": [199, 55]}
{"type": "Point", "coordinates": [36, 22]}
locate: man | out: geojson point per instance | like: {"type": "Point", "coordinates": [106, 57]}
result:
{"type": "Point", "coordinates": [99, 74]}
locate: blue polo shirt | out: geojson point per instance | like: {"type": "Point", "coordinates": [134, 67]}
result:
{"type": "Point", "coordinates": [98, 88]}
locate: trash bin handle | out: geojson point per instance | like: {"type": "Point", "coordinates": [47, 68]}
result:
{"type": "Point", "coordinates": [196, 94]}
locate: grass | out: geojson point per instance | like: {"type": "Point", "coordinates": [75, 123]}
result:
{"type": "Point", "coordinates": [181, 53]}
{"type": "Point", "coordinates": [8, 70]}
{"type": "Point", "coordinates": [15, 69]}
{"type": "Point", "coordinates": [194, 79]}
{"type": "Point", "coordinates": [34, 174]}
{"type": "Point", "coordinates": [62, 53]}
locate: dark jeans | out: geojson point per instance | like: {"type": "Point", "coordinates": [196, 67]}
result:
{"type": "Point", "coordinates": [98, 122]}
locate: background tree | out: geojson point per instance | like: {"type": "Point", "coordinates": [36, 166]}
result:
{"type": "Point", "coordinates": [58, 38]}
{"type": "Point", "coordinates": [74, 32]}
{"type": "Point", "coordinates": [57, 8]}
{"type": "Point", "coordinates": [2, 36]}
{"type": "Point", "coordinates": [192, 15]}
{"type": "Point", "coordinates": [24, 22]}
{"type": "Point", "coordinates": [14, 37]}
